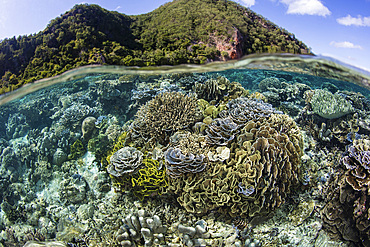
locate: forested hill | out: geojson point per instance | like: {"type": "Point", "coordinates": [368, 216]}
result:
{"type": "Point", "coordinates": [181, 31]}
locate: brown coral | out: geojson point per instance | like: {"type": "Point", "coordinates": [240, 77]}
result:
{"type": "Point", "coordinates": [255, 180]}
{"type": "Point", "coordinates": [220, 89]}
{"type": "Point", "coordinates": [347, 211]}
{"type": "Point", "coordinates": [167, 113]}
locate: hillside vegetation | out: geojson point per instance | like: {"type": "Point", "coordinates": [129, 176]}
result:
{"type": "Point", "coordinates": [182, 31]}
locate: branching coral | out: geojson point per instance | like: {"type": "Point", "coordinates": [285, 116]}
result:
{"type": "Point", "coordinates": [167, 113]}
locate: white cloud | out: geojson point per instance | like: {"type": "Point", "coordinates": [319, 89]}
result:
{"type": "Point", "coordinates": [345, 44]}
{"type": "Point", "coordinates": [306, 7]}
{"type": "Point", "coordinates": [248, 3]}
{"type": "Point", "coordinates": [117, 8]}
{"type": "Point", "coordinates": [356, 21]}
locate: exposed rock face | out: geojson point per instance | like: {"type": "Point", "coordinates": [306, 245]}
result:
{"type": "Point", "coordinates": [234, 49]}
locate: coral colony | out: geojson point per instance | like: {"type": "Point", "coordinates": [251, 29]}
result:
{"type": "Point", "coordinates": [187, 160]}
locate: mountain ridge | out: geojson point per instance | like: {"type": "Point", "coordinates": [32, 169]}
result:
{"type": "Point", "coordinates": [178, 32]}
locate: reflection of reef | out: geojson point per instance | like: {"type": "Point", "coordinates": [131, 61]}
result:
{"type": "Point", "coordinates": [347, 211]}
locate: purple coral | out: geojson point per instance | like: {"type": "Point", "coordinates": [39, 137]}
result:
{"type": "Point", "coordinates": [247, 191]}
{"type": "Point", "coordinates": [356, 157]}
{"type": "Point", "coordinates": [125, 160]}
{"type": "Point", "coordinates": [221, 131]}
{"type": "Point", "coordinates": [242, 110]}
{"type": "Point", "coordinates": [178, 163]}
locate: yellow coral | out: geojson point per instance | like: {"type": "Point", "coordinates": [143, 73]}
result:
{"type": "Point", "coordinates": [149, 179]}
{"type": "Point", "coordinates": [77, 149]}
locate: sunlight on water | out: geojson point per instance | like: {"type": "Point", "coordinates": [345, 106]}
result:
{"type": "Point", "coordinates": [317, 66]}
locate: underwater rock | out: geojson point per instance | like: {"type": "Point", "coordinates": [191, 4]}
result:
{"type": "Point", "coordinates": [74, 189]}
{"type": "Point", "coordinates": [328, 105]}
{"type": "Point", "coordinates": [59, 157]}
{"type": "Point", "coordinates": [88, 127]}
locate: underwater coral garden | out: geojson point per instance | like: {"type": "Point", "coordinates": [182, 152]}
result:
{"type": "Point", "coordinates": [218, 159]}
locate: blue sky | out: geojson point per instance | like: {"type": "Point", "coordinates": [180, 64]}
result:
{"type": "Point", "coordinates": [336, 28]}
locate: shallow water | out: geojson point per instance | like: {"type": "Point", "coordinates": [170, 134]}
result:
{"type": "Point", "coordinates": [59, 139]}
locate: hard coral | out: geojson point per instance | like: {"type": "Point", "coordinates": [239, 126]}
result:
{"type": "Point", "coordinates": [328, 105]}
{"type": "Point", "coordinates": [167, 113]}
{"type": "Point", "coordinates": [347, 211]}
{"type": "Point", "coordinates": [260, 171]}
{"type": "Point", "coordinates": [221, 131]}
{"type": "Point", "coordinates": [125, 160]}
{"type": "Point", "coordinates": [178, 163]}
{"type": "Point", "coordinates": [149, 179]}
{"type": "Point", "coordinates": [241, 110]}
{"type": "Point", "coordinates": [220, 89]}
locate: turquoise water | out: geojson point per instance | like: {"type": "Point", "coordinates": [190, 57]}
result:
{"type": "Point", "coordinates": [245, 153]}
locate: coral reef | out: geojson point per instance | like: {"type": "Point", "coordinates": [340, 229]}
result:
{"type": "Point", "coordinates": [141, 226]}
{"type": "Point", "coordinates": [328, 105]}
{"type": "Point", "coordinates": [213, 166]}
{"type": "Point", "coordinates": [347, 210]}
{"type": "Point", "coordinates": [125, 160]}
{"type": "Point", "coordinates": [261, 171]}
{"type": "Point", "coordinates": [167, 113]}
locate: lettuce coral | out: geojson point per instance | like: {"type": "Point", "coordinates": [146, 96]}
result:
{"type": "Point", "coordinates": [125, 160]}
{"type": "Point", "coordinates": [162, 116]}
{"type": "Point", "coordinates": [347, 210]}
{"type": "Point", "coordinates": [328, 105]}
{"type": "Point", "coordinates": [150, 179]}
{"type": "Point", "coordinates": [260, 172]}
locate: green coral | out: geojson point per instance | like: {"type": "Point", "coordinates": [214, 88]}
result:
{"type": "Point", "coordinates": [149, 180]}
{"type": "Point", "coordinates": [77, 149]}
{"type": "Point", "coordinates": [330, 106]}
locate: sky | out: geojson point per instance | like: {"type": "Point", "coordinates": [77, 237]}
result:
{"type": "Point", "coordinates": [334, 28]}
